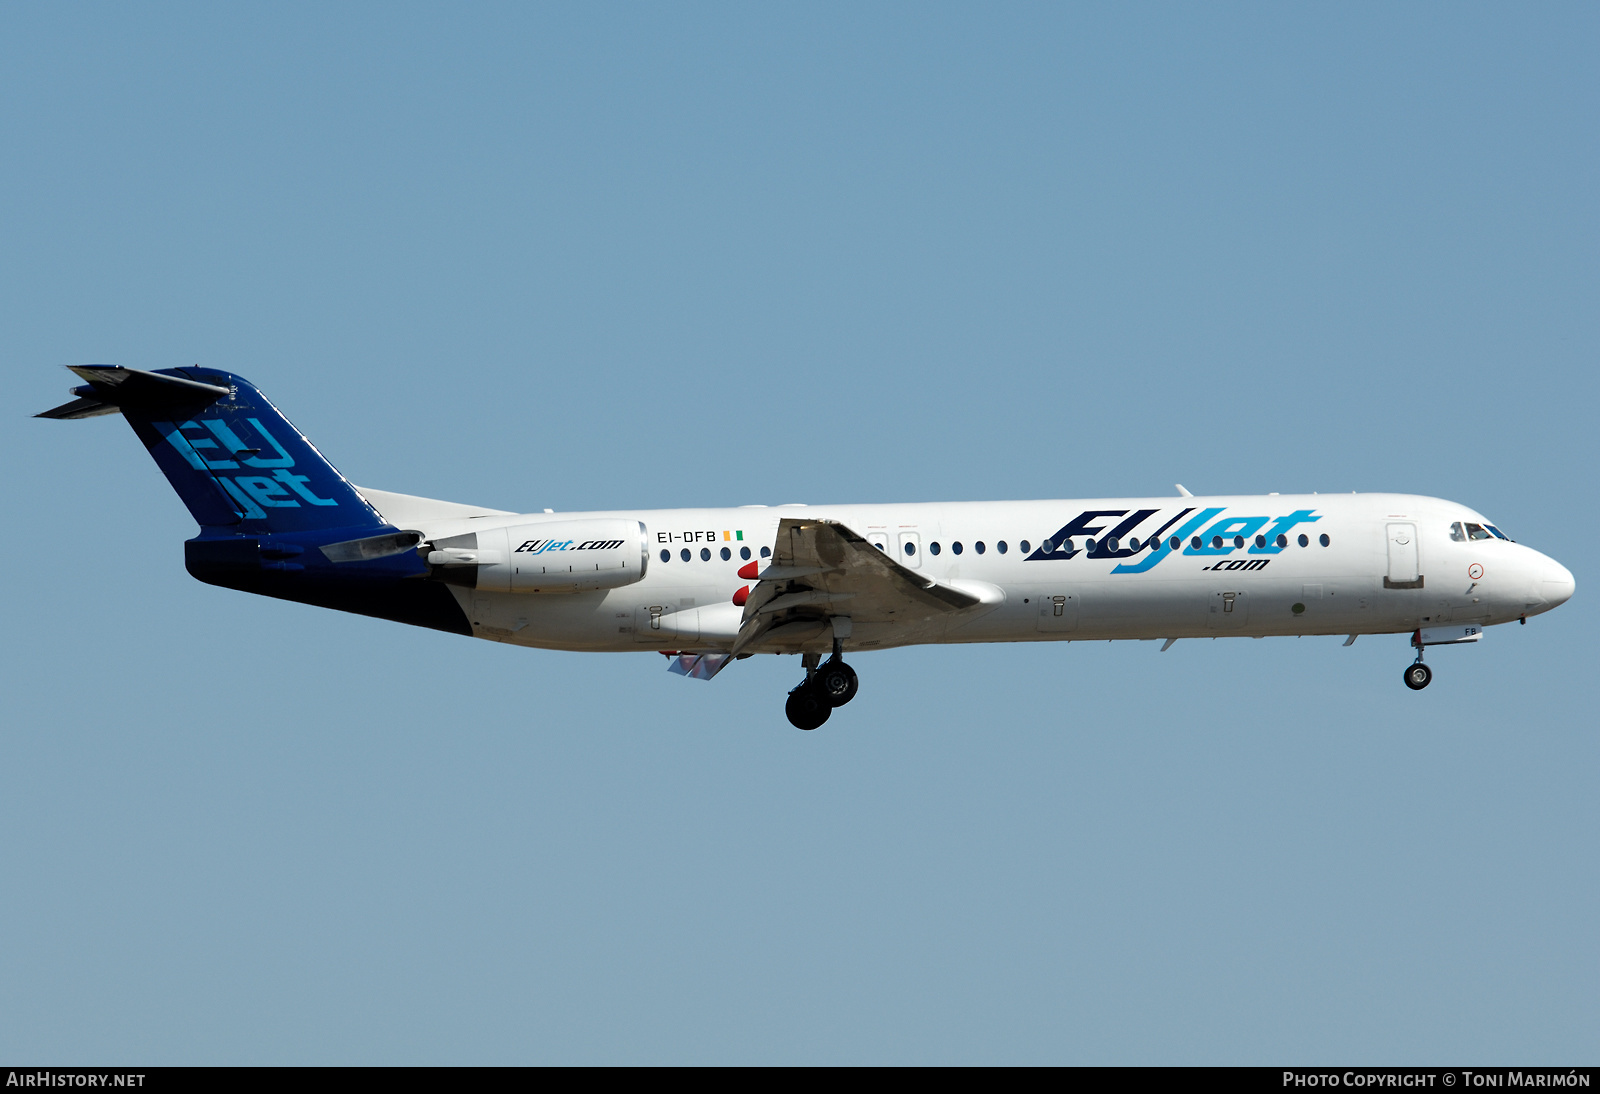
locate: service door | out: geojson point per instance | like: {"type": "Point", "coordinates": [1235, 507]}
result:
{"type": "Point", "coordinates": [1055, 609]}
{"type": "Point", "coordinates": [1229, 611]}
{"type": "Point", "coordinates": [647, 623]}
{"type": "Point", "coordinates": [662, 625]}
{"type": "Point", "coordinates": [1403, 569]}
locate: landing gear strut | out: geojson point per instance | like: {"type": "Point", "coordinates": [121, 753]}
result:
{"type": "Point", "coordinates": [833, 684]}
{"type": "Point", "coordinates": [1418, 675]}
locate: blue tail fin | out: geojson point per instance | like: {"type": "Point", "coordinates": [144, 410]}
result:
{"type": "Point", "coordinates": [275, 517]}
{"type": "Point", "coordinates": [234, 459]}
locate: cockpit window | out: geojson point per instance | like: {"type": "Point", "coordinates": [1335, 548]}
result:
{"type": "Point", "coordinates": [1457, 534]}
{"type": "Point", "coordinates": [1499, 533]}
{"type": "Point", "coordinates": [1476, 531]}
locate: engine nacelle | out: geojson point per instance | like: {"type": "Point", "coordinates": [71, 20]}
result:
{"type": "Point", "coordinates": [549, 557]}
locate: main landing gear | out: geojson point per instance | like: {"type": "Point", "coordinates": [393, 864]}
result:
{"type": "Point", "coordinates": [830, 684]}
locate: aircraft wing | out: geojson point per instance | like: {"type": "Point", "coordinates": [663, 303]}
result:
{"type": "Point", "coordinates": [820, 570]}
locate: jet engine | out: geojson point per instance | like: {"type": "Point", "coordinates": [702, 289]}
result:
{"type": "Point", "coordinates": [549, 557]}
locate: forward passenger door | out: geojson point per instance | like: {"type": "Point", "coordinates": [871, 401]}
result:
{"type": "Point", "coordinates": [1404, 571]}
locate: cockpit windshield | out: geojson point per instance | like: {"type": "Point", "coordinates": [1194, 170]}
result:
{"type": "Point", "coordinates": [1461, 532]}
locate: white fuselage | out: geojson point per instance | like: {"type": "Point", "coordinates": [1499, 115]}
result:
{"type": "Point", "coordinates": [1391, 563]}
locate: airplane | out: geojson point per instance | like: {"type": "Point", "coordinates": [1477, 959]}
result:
{"type": "Point", "coordinates": [710, 586]}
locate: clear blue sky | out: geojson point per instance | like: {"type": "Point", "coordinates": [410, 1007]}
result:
{"type": "Point", "coordinates": [608, 256]}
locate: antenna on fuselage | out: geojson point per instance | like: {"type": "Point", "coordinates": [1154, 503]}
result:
{"type": "Point", "coordinates": [1183, 490]}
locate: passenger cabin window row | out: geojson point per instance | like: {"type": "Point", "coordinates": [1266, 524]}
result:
{"type": "Point", "coordinates": [705, 554]}
{"type": "Point", "coordinates": [956, 548]}
{"type": "Point", "coordinates": [1111, 543]}
{"type": "Point", "coordinates": [977, 548]}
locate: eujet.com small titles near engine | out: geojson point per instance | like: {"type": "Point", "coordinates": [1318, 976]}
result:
{"type": "Point", "coordinates": [710, 586]}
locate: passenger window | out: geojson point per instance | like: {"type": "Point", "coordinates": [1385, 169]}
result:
{"type": "Point", "coordinates": [1282, 540]}
{"type": "Point", "coordinates": [1324, 540]}
{"type": "Point", "coordinates": [726, 554]}
{"type": "Point", "coordinates": [1216, 542]}
{"type": "Point", "coordinates": [933, 548]}
{"type": "Point", "coordinates": [666, 556]}
{"type": "Point", "coordinates": [978, 547]}
{"type": "Point", "coordinates": [1303, 541]}
{"type": "Point", "coordinates": [1261, 541]}
{"type": "Point", "coordinates": [1174, 543]}
{"type": "Point", "coordinates": [685, 554]}
{"type": "Point", "coordinates": [705, 554]}
{"type": "Point", "coordinates": [1001, 547]}
{"type": "Point", "coordinates": [1475, 531]}
{"type": "Point", "coordinates": [1456, 534]}
{"type": "Point", "coordinates": [955, 548]}
{"type": "Point", "coordinates": [744, 553]}
{"type": "Point", "coordinates": [1238, 542]}
{"type": "Point", "coordinates": [1024, 546]}
{"type": "Point", "coordinates": [766, 552]}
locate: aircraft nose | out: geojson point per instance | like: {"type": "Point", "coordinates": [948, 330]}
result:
{"type": "Point", "coordinates": [1550, 584]}
{"type": "Point", "coordinates": [1556, 584]}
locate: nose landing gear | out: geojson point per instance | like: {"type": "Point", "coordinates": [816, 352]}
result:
{"type": "Point", "coordinates": [1417, 675]}
{"type": "Point", "coordinates": [833, 684]}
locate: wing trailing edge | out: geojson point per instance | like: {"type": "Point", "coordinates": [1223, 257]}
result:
{"type": "Point", "coordinates": [822, 569]}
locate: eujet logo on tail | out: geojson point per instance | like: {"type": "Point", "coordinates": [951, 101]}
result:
{"type": "Point", "coordinates": [1221, 535]}
{"type": "Point", "coordinates": [253, 493]}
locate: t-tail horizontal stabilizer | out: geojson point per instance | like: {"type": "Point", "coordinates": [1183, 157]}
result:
{"type": "Point", "coordinates": [110, 388]}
